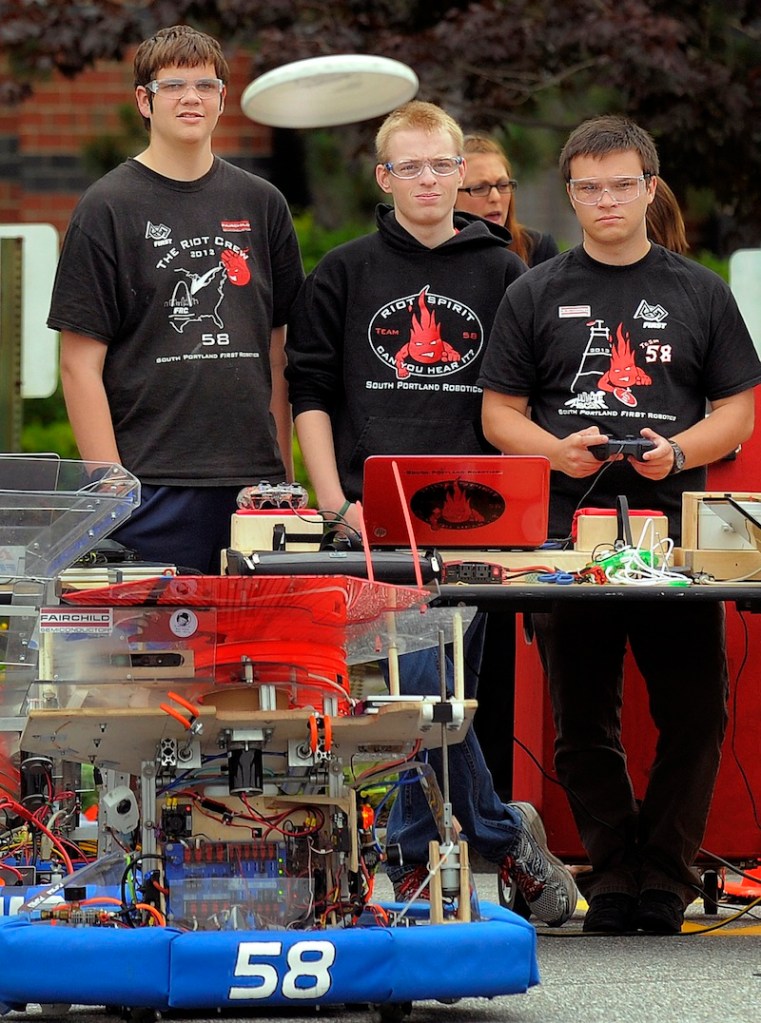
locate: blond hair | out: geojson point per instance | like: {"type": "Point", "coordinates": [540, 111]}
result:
{"type": "Point", "coordinates": [418, 115]}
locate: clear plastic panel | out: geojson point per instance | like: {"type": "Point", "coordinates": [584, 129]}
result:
{"type": "Point", "coordinates": [214, 886]}
{"type": "Point", "coordinates": [407, 631]}
{"type": "Point", "coordinates": [123, 656]}
{"type": "Point", "coordinates": [18, 657]}
{"type": "Point", "coordinates": [53, 511]}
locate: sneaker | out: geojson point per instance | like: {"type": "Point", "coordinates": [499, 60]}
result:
{"type": "Point", "coordinates": [660, 912]}
{"type": "Point", "coordinates": [406, 887]}
{"type": "Point", "coordinates": [611, 913]}
{"type": "Point", "coordinates": [543, 881]}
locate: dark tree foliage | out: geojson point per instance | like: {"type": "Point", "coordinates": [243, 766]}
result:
{"type": "Point", "coordinates": [688, 70]}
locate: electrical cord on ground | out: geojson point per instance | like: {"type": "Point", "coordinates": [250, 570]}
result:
{"type": "Point", "coordinates": [733, 733]}
{"type": "Point", "coordinates": [711, 857]}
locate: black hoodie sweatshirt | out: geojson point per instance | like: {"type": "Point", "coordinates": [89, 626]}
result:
{"type": "Point", "coordinates": [387, 336]}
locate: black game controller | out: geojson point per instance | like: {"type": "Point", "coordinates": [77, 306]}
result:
{"type": "Point", "coordinates": [632, 447]}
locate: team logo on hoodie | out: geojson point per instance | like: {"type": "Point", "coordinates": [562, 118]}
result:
{"type": "Point", "coordinates": [425, 335]}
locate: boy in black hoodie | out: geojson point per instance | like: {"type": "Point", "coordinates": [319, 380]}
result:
{"type": "Point", "coordinates": [384, 347]}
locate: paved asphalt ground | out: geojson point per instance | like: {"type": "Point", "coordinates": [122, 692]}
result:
{"type": "Point", "coordinates": [692, 978]}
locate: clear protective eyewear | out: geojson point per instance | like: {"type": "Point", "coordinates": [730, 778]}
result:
{"type": "Point", "coordinates": [441, 166]}
{"type": "Point", "coordinates": [481, 191]}
{"type": "Point", "coordinates": [176, 88]}
{"type": "Point", "coordinates": [622, 189]}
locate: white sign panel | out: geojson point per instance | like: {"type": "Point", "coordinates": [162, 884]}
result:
{"type": "Point", "coordinates": [745, 282]}
{"type": "Point", "coordinates": [39, 345]}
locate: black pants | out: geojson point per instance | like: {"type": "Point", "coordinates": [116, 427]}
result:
{"type": "Point", "coordinates": [680, 651]}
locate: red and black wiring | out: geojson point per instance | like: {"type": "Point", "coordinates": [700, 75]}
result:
{"type": "Point", "coordinates": [272, 822]}
{"type": "Point", "coordinates": [275, 822]}
{"type": "Point", "coordinates": [43, 820]}
{"type": "Point", "coordinates": [32, 819]}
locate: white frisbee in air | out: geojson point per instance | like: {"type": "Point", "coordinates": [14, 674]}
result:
{"type": "Point", "coordinates": [323, 91]}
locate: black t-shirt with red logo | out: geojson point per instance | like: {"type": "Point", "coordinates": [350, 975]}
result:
{"type": "Point", "coordinates": [620, 348]}
{"type": "Point", "coordinates": [184, 282]}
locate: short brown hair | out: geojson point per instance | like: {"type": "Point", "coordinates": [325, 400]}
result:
{"type": "Point", "coordinates": [179, 45]}
{"type": "Point", "coordinates": [417, 114]}
{"type": "Point", "coordinates": [609, 134]}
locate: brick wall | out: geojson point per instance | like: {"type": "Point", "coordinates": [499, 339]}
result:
{"type": "Point", "coordinates": [42, 173]}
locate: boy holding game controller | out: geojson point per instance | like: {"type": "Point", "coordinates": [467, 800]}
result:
{"type": "Point", "coordinates": [614, 339]}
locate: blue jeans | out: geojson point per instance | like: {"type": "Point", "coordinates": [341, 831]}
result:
{"type": "Point", "coordinates": [183, 526]}
{"type": "Point", "coordinates": [490, 827]}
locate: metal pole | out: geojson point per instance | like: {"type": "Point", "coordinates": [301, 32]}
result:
{"type": "Point", "coordinates": [10, 344]}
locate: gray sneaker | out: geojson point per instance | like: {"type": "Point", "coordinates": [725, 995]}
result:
{"type": "Point", "coordinates": [543, 881]}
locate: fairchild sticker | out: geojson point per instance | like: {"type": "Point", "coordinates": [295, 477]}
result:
{"type": "Point", "coordinates": [81, 619]}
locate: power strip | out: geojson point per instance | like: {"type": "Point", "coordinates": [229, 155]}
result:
{"type": "Point", "coordinates": [473, 572]}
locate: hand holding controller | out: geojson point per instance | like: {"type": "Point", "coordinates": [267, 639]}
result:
{"type": "Point", "coordinates": [631, 447]}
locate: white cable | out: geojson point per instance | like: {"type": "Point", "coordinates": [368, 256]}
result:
{"type": "Point", "coordinates": [636, 571]}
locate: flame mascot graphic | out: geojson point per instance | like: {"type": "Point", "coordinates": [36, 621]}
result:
{"type": "Point", "coordinates": [623, 373]}
{"type": "Point", "coordinates": [236, 267]}
{"type": "Point", "coordinates": [456, 509]}
{"type": "Point", "coordinates": [426, 345]}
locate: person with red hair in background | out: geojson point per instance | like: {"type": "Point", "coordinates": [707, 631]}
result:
{"type": "Point", "coordinates": [665, 223]}
{"type": "Point", "coordinates": [488, 191]}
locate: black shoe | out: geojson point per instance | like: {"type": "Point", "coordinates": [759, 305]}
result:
{"type": "Point", "coordinates": [659, 912]}
{"type": "Point", "coordinates": [611, 913]}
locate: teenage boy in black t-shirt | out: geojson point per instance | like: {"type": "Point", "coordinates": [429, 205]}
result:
{"type": "Point", "coordinates": [172, 291]}
{"type": "Point", "coordinates": [620, 337]}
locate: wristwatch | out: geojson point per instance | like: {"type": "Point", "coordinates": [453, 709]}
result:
{"type": "Point", "coordinates": [679, 458]}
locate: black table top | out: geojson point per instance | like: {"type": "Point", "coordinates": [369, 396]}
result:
{"type": "Point", "coordinates": [521, 596]}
